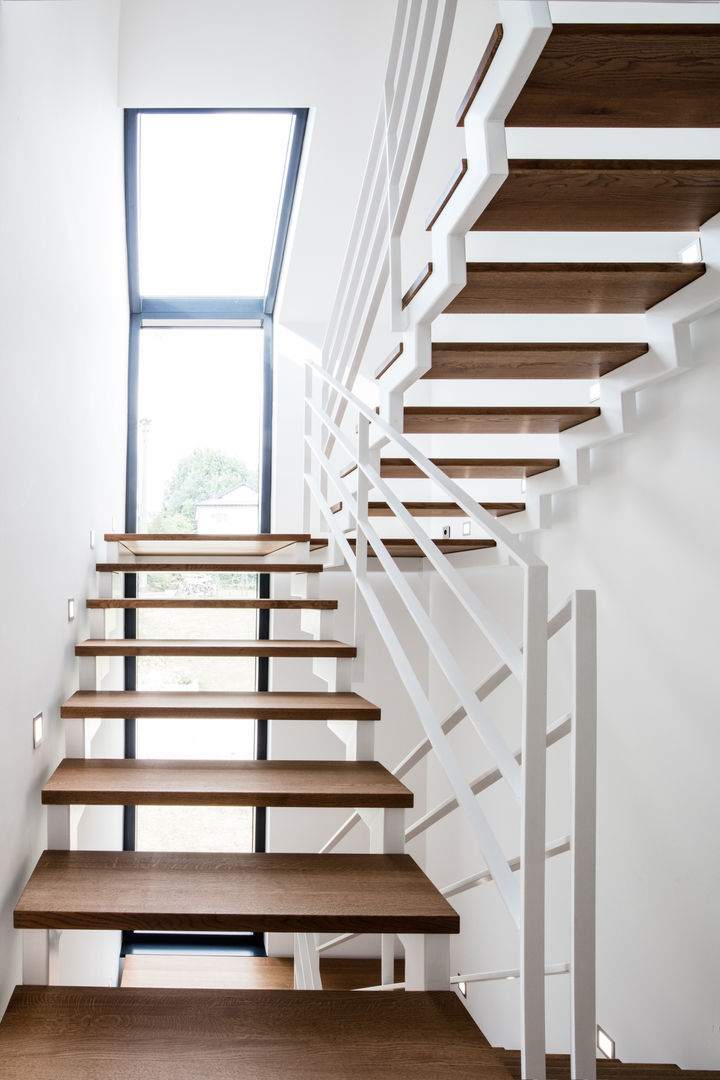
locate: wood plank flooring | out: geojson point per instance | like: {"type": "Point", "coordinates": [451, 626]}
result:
{"type": "Point", "coordinates": [247, 972]}
{"type": "Point", "coordinates": [259, 705]}
{"type": "Point", "coordinates": [520, 360]}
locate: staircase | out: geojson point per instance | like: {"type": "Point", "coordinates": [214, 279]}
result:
{"type": "Point", "coordinates": [569, 75]}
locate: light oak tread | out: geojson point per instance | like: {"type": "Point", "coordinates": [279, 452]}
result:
{"type": "Point", "coordinates": [206, 704]}
{"type": "Point", "coordinates": [229, 892]}
{"type": "Point", "coordinates": [184, 566]}
{"type": "Point", "coordinates": [631, 75]}
{"type": "Point", "coordinates": [84, 1033]}
{"type": "Point", "coordinates": [469, 468]}
{"type": "Point", "coordinates": [249, 972]}
{"type": "Point", "coordinates": [500, 419]}
{"type": "Point", "coordinates": [567, 288]}
{"type": "Point", "coordinates": [407, 548]}
{"type": "Point", "coordinates": [439, 509]}
{"type": "Point", "coordinates": [207, 544]}
{"type": "Point", "coordinates": [532, 360]}
{"type": "Point", "coordinates": [221, 603]}
{"type": "Point", "coordinates": [132, 782]}
{"type": "Point", "coordinates": [604, 196]}
{"type": "Point", "coordinates": [153, 647]}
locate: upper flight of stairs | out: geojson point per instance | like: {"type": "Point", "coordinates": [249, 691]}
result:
{"type": "Point", "coordinates": [588, 76]}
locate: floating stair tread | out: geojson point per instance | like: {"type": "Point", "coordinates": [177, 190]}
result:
{"type": "Point", "coordinates": [476, 419]}
{"type": "Point", "coordinates": [152, 647]}
{"type": "Point", "coordinates": [184, 566]}
{"type": "Point", "coordinates": [133, 782]}
{"type": "Point", "coordinates": [249, 972]}
{"type": "Point", "coordinates": [469, 468]}
{"type": "Point", "coordinates": [604, 196]}
{"type": "Point", "coordinates": [206, 543]}
{"type": "Point", "coordinates": [567, 288]}
{"type": "Point", "coordinates": [444, 509]}
{"type": "Point", "coordinates": [540, 360]}
{"type": "Point", "coordinates": [221, 603]}
{"type": "Point", "coordinates": [405, 547]}
{"type": "Point", "coordinates": [206, 704]}
{"type": "Point", "coordinates": [82, 1033]}
{"type": "Point", "coordinates": [624, 75]}
{"type": "Point", "coordinates": [229, 892]}
{"type": "Point", "coordinates": [558, 1068]}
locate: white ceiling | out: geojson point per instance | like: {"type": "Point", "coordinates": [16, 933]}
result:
{"type": "Point", "coordinates": [328, 55]}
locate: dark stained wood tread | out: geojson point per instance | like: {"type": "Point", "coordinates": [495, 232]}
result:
{"type": "Point", "coordinates": [447, 194]}
{"type": "Point", "coordinates": [631, 75]}
{"type": "Point", "coordinates": [184, 566]}
{"type": "Point", "coordinates": [221, 603]}
{"type": "Point", "coordinates": [406, 548]}
{"type": "Point", "coordinates": [538, 360]}
{"type": "Point", "coordinates": [132, 782]}
{"type": "Point", "coordinates": [501, 419]}
{"type": "Point", "coordinates": [248, 972]}
{"type": "Point", "coordinates": [417, 285]}
{"type": "Point", "coordinates": [441, 509]}
{"type": "Point", "coordinates": [85, 1033]}
{"type": "Point", "coordinates": [558, 1068]}
{"type": "Point", "coordinates": [390, 360]}
{"type": "Point", "coordinates": [152, 647]}
{"type": "Point", "coordinates": [469, 468]}
{"type": "Point", "coordinates": [567, 288]}
{"type": "Point", "coordinates": [202, 891]}
{"type": "Point", "coordinates": [206, 704]}
{"type": "Point", "coordinates": [605, 196]}
{"type": "Point", "coordinates": [483, 67]}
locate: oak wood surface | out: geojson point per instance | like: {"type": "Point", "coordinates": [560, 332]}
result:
{"type": "Point", "coordinates": [205, 543]}
{"type": "Point", "coordinates": [390, 360]}
{"type": "Point", "coordinates": [444, 509]}
{"type": "Point", "coordinates": [469, 468]}
{"type": "Point", "coordinates": [447, 194]}
{"type": "Point", "coordinates": [153, 647]}
{"type": "Point", "coordinates": [230, 892]}
{"type": "Point", "coordinates": [478, 78]}
{"type": "Point", "coordinates": [183, 566]}
{"type": "Point", "coordinates": [604, 196]}
{"type": "Point", "coordinates": [480, 420]}
{"type": "Point", "coordinates": [566, 288]}
{"type": "Point", "coordinates": [404, 547]}
{"type": "Point", "coordinates": [558, 1068]}
{"type": "Point", "coordinates": [417, 285]}
{"type": "Point", "coordinates": [206, 704]}
{"type": "Point", "coordinates": [248, 972]}
{"type": "Point", "coordinates": [540, 360]}
{"type": "Point", "coordinates": [127, 782]}
{"type": "Point", "coordinates": [89, 1033]}
{"type": "Point", "coordinates": [632, 75]}
{"type": "Point", "coordinates": [221, 603]}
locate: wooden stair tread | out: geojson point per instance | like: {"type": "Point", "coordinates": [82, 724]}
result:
{"type": "Point", "coordinates": [82, 1033]}
{"type": "Point", "coordinates": [405, 547]}
{"type": "Point", "coordinates": [249, 972]}
{"type": "Point", "coordinates": [631, 75]}
{"type": "Point", "coordinates": [539, 360]}
{"type": "Point", "coordinates": [469, 468]}
{"type": "Point", "coordinates": [191, 647]}
{"type": "Point", "coordinates": [206, 704]}
{"type": "Point", "coordinates": [476, 419]}
{"type": "Point", "coordinates": [230, 892]}
{"type": "Point", "coordinates": [185, 566]}
{"type": "Point", "coordinates": [206, 543]}
{"type": "Point", "coordinates": [566, 288]}
{"type": "Point", "coordinates": [127, 782]}
{"type": "Point", "coordinates": [558, 1068]}
{"type": "Point", "coordinates": [444, 509]}
{"type": "Point", "coordinates": [604, 196]}
{"type": "Point", "coordinates": [221, 603]}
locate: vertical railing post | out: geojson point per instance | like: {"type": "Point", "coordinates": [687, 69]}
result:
{"type": "Point", "coordinates": [532, 844]}
{"type": "Point", "coordinates": [584, 783]}
{"type": "Point", "coordinates": [308, 458]}
{"type": "Point", "coordinates": [363, 491]}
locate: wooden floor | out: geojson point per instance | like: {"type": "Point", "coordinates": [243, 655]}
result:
{"type": "Point", "coordinates": [558, 1068]}
{"type": "Point", "coordinates": [81, 1033]}
{"type": "Point", "coordinates": [246, 972]}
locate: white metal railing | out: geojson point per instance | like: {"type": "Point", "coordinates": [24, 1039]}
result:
{"type": "Point", "coordinates": [418, 53]}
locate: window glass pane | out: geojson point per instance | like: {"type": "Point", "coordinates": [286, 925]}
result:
{"type": "Point", "coordinates": [210, 188]}
{"type": "Point", "coordinates": [199, 409]}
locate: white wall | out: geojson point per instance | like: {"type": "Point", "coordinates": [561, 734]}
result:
{"type": "Point", "coordinates": [63, 359]}
{"type": "Point", "coordinates": [644, 535]}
